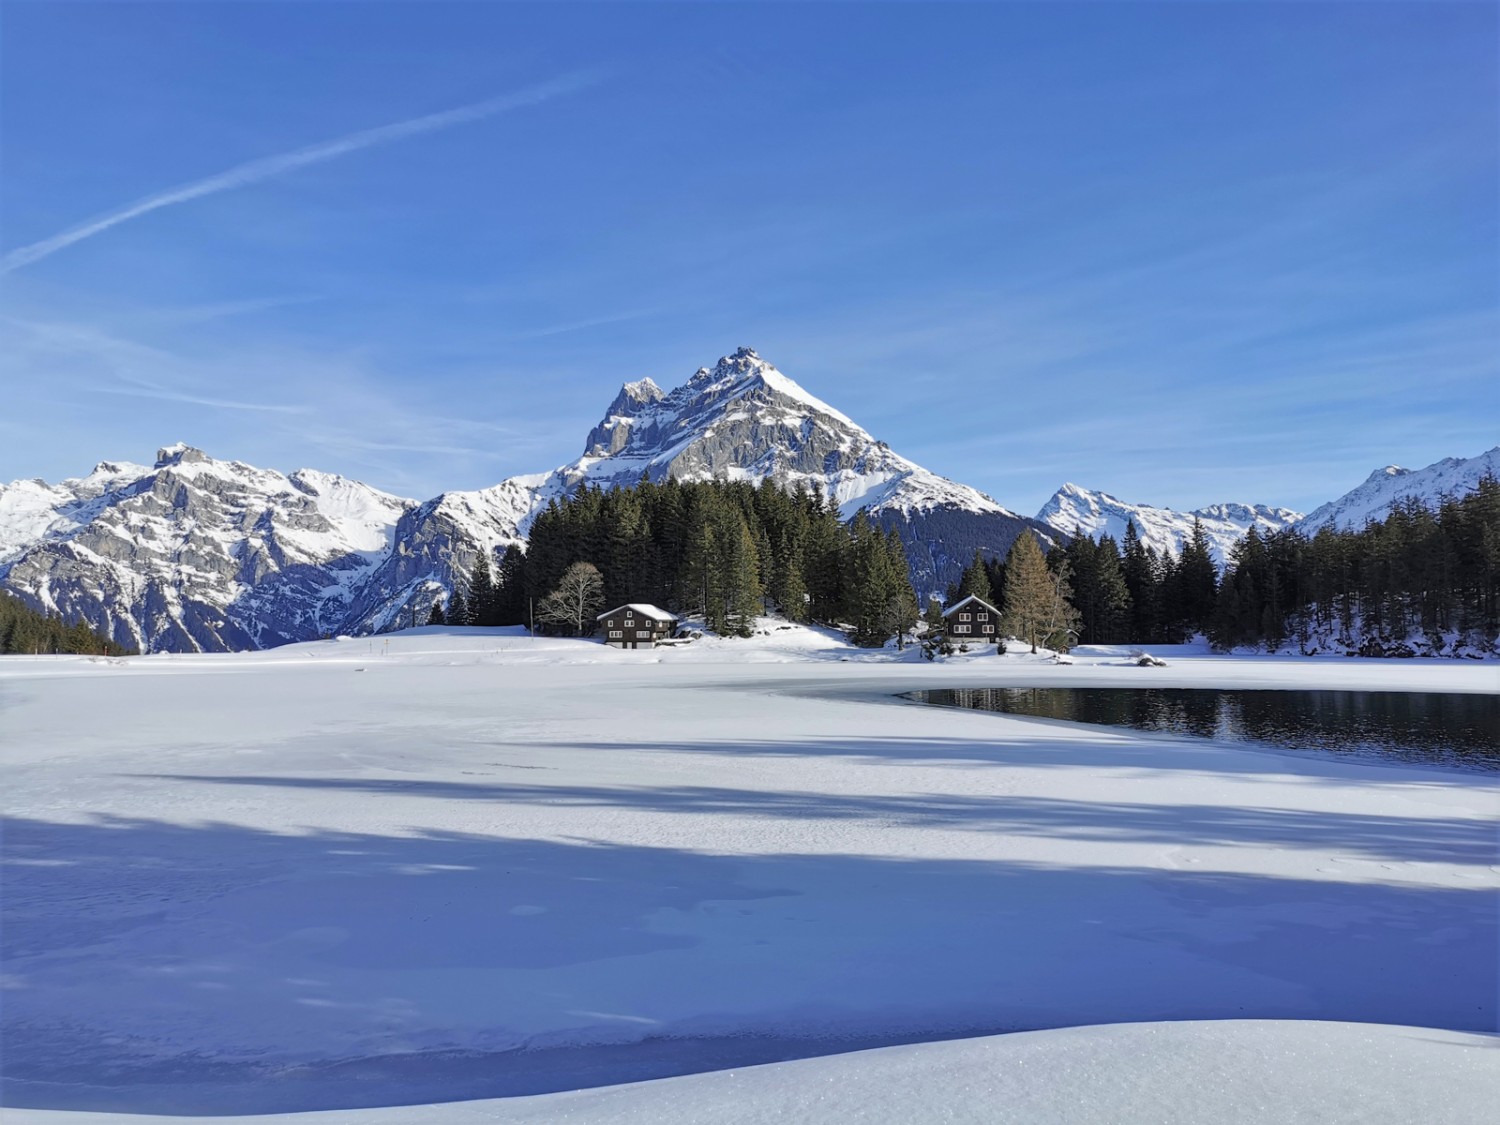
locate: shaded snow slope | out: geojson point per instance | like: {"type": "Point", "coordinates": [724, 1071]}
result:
{"type": "Point", "coordinates": [196, 553]}
{"type": "Point", "coordinates": [371, 871]}
{"type": "Point", "coordinates": [1231, 1072]}
{"type": "Point", "coordinates": [1386, 487]}
{"type": "Point", "coordinates": [1098, 513]}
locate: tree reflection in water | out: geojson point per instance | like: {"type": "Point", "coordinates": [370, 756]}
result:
{"type": "Point", "coordinates": [1433, 727]}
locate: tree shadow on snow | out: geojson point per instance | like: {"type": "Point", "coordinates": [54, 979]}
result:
{"type": "Point", "coordinates": [214, 968]}
{"type": "Point", "coordinates": [1404, 839]}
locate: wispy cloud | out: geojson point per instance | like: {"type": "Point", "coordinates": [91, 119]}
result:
{"type": "Point", "coordinates": [269, 166]}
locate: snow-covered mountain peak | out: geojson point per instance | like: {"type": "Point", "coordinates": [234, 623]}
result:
{"type": "Point", "coordinates": [1384, 488]}
{"type": "Point", "coordinates": [1098, 513]}
{"type": "Point", "coordinates": [179, 453]}
{"type": "Point", "coordinates": [610, 435]}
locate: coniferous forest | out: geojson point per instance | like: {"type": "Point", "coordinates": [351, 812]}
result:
{"type": "Point", "coordinates": [726, 551]}
{"type": "Point", "coordinates": [25, 630]}
{"type": "Point", "coordinates": [1428, 572]}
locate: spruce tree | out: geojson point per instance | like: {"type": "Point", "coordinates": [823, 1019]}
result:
{"type": "Point", "coordinates": [510, 587]}
{"type": "Point", "coordinates": [1197, 581]}
{"type": "Point", "coordinates": [484, 608]}
{"type": "Point", "coordinates": [458, 605]}
{"type": "Point", "coordinates": [976, 581]}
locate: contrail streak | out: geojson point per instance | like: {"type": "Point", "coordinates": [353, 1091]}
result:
{"type": "Point", "coordinates": [269, 166]}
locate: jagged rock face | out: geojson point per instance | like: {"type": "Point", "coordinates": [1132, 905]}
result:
{"type": "Point", "coordinates": [196, 554]}
{"type": "Point", "coordinates": [613, 433]}
{"type": "Point", "coordinates": [744, 419]}
{"type": "Point", "coordinates": [1098, 513]}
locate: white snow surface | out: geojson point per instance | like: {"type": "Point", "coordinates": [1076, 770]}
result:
{"type": "Point", "coordinates": [460, 864]}
{"type": "Point", "coordinates": [1384, 488]}
{"type": "Point", "coordinates": [1186, 1073]}
{"type": "Point", "coordinates": [1073, 508]}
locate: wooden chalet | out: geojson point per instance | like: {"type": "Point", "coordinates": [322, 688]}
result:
{"type": "Point", "coordinates": [972, 619]}
{"type": "Point", "coordinates": [636, 625]}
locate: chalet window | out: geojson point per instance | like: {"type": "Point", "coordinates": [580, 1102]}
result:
{"type": "Point", "coordinates": [616, 632]}
{"type": "Point", "coordinates": [965, 617]}
{"type": "Point", "coordinates": [989, 629]}
{"type": "Point", "coordinates": [611, 622]}
{"type": "Point", "coordinates": [961, 628]}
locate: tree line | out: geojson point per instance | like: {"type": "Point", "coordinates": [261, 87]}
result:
{"type": "Point", "coordinates": [1429, 569]}
{"type": "Point", "coordinates": [730, 550]}
{"type": "Point", "coordinates": [724, 550]}
{"type": "Point", "coordinates": [26, 630]}
{"type": "Point", "coordinates": [1426, 569]}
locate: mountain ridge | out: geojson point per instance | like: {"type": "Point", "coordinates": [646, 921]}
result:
{"type": "Point", "coordinates": [197, 553]}
{"type": "Point", "coordinates": [227, 555]}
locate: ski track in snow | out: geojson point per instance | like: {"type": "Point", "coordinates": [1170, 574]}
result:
{"type": "Point", "coordinates": [467, 864]}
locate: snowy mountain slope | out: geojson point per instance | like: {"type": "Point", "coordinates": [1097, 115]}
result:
{"type": "Point", "coordinates": [1383, 488]}
{"type": "Point", "coordinates": [743, 419]}
{"type": "Point", "coordinates": [1099, 513]}
{"type": "Point", "coordinates": [33, 511]}
{"type": "Point", "coordinates": [738, 420]}
{"type": "Point", "coordinates": [195, 553]}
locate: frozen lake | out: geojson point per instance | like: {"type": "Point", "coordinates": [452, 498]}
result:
{"type": "Point", "coordinates": [1430, 727]}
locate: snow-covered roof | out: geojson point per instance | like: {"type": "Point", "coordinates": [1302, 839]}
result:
{"type": "Point", "coordinates": [643, 609]}
{"type": "Point", "coordinates": [965, 601]}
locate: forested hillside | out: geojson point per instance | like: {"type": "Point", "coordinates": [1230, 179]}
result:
{"type": "Point", "coordinates": [725, 550]}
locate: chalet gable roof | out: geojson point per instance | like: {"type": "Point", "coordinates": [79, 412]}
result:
{"type": "Point", "coordinates": [642, 609]}
{"type": "Point", "coordinates": [956, 606]}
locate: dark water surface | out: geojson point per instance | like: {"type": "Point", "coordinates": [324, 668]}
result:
{"type": "Point", "coordinates": [1427, 727]}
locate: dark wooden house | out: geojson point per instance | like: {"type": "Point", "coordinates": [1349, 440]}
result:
{"type": "Point", "coordinates": [636, 625]}
{"type": "Point", "coordinates": [972, 619]}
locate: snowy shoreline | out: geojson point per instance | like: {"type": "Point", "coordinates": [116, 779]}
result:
{"type": "Point", "coordinates": [466, 843]}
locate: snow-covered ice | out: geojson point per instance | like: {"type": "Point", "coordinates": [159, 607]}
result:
{"type": "Point", "coordinates": [460, 864]}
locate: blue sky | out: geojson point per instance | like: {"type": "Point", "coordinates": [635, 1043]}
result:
{"type": "Point", "coordinates": [1185, 253]}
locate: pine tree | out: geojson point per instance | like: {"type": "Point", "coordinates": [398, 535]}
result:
{"type": "Point", "coordinates": [1142, 578]}
{"type": "Point", "coordinates": [484, 608]}
{"type": "Point", "coordinates": [1197, 581]}
{"type": "Point", "coordinates": [435, 615]}
{"type": "Point", "coordinates": [976, 581]}
{"type": "Point", "coordinates": [458, 605]}
{"type": "Point", "coordinates": [510, 587]}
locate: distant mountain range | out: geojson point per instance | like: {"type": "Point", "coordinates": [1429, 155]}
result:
{"type": "Point", "coordinates": [1094, 513]}
{"type": "Point", "coordinates": [194, 553]}
{"type": "Point", "coordinates": [1385, 488]}
{"type": "Point", "coordinates": [1073, 509]}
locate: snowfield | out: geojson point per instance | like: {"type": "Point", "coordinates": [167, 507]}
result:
{"type": "Point", "coordinates": [464, 864]}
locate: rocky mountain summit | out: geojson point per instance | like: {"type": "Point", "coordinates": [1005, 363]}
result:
{"type": "Point", "coordinates": [194, 553]}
